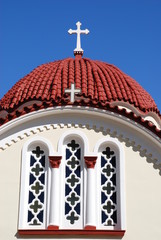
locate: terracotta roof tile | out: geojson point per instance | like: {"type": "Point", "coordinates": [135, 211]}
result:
{"type": "Point", "coordinates": [101, 83]}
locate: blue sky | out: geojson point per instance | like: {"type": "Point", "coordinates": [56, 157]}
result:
{"type": "Point", "coordinates": [126, 33]}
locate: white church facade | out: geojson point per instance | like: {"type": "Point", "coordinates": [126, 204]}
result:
{"type": "Point", "coordinates": [80, 154]}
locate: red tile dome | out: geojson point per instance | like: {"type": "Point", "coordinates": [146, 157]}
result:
{"type": "Point", "coordinates": [99, 82]}
{"type": "Point", "coordinates": [101, 85]}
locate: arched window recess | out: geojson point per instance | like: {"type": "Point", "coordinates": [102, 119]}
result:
{"type": "Point", "coordinates": [72, 189]}
{"type": "Point", "coordinates": [110, 184]}
{"type": "Point", "coordinates": [34, 190]}
{"type": "Point", "coordinates": [72, 180]}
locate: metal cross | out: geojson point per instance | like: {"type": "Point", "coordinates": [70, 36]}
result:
{"type": "Point", "coordinates": [72, 91]}
{"type": "Point", "coordinates": [78, 32]}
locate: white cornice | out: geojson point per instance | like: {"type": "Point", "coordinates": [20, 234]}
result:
{"type": "Point", "coordinates": [74, 109]}
{"type": "Point", "coordinates": [81, 117]}
{"type": "Point", "coordinates": [151, 116]}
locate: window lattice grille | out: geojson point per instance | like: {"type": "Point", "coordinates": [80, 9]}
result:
{"type": "Point", "coordinates": [108, 188]}
{"type": "Point", "coordinates": [73, 182]}
{"type": "Point", "coordinates": [36, 195]}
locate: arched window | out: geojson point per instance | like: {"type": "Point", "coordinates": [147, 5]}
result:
{"type": "Point", "coordinates": [78, 190]}
{"type": "Point", "coordinates": [110, 185]}
{"type": "Point", "coordinates": [109, 196]}
{"type": "Point", "coordinates": [72, 184]}
{"type": "Point", "coordinates": [67, 193]}
{"type": "Point", "coordinates": [34, 182]}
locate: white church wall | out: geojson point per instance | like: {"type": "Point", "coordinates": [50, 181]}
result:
{"type": "Point", "coordinates": [142, 180]}
{"type": "Point", "coordinates": [92, 118]}
{"type": "Point", "coordinates": [142, 198]}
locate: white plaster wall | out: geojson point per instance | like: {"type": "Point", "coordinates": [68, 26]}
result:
{"type": "Point", "coordinates": [143, 198]}
{"type": "Point", "coordinates": [142, 187]}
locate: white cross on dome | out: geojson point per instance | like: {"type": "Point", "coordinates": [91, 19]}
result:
{"type": "Point", "coordinates": [72, 91]}
{"type": "Point", "coordinates": [78, 31]}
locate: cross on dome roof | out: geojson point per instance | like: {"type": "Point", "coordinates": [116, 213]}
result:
{"type": "Point", "coordinates": [102, 85]}
{"type": "Point", "coordinates": [78, 31]}
{"type": "Point", "coordinates": [72, 91]}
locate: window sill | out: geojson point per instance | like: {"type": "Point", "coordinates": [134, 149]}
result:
{"type": "Point", "coordinates": [119, 233]}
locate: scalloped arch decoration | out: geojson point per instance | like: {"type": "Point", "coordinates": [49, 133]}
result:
{"type": "Point", "coordinates": [113, 133]}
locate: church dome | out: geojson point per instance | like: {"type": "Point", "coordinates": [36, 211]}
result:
{"type": "Point", "coordinates": [100, 84]}
{"type": "Point", "coordinates": [103, 86]}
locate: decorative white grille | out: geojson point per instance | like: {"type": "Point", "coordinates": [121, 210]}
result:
{"type": "Point", "coordinates": [36, 195]}
{"type": "Point", "coordinates": [108, 188]}
{"type": "Point", "coordinates": [73, 182]}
